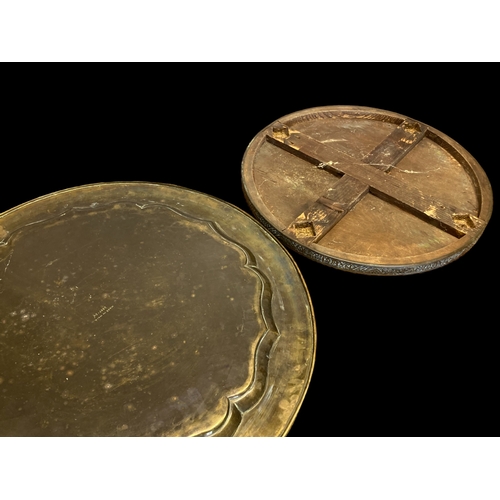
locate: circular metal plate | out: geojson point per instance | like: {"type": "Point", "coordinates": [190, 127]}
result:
{"type": "Point", "coordinates": [366, 190]}
{"type": "Point", "coordinates": [134, 309]}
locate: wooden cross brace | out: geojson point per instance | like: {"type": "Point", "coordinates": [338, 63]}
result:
{"type": "Point", "coordinates": [360, 178]}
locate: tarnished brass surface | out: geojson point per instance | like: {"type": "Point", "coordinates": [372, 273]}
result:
{"type": "Point", "coordinates": [366, 190]}
{"type": "Point", "coordinates": [134, 309]}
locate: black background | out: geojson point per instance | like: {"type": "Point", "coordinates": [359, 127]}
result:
{"type": "Point", "coordinates": [395, 355]}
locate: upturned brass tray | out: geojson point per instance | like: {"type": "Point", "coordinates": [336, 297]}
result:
{"type": "Point", "coordinates": [136, 309]}
{"type": "Point", "coordinates": [366, 190]}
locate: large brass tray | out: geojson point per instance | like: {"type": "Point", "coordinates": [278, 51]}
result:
{"type": "Point", "coordinates": [136, 309]}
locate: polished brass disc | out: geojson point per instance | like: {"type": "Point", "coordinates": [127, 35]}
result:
{"type": "Point", "coordinates": [135, 309]}
{"type": "Point", "coordinates": [366, 190]}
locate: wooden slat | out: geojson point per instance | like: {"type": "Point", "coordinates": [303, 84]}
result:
{"type": "Point", "coordinates": [380, 184]}
{"type": "Point", "coordinates": [396, 145]}
{"type": "Point", "coordinates": [312, 224]}
{"type": "Point", "coordinates": [319, 218]}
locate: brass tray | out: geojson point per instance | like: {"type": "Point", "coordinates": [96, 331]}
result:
{"type": "Point", "coordinates": [366, 190]}
{"type": "Point", "coordinates": [137, 309]}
